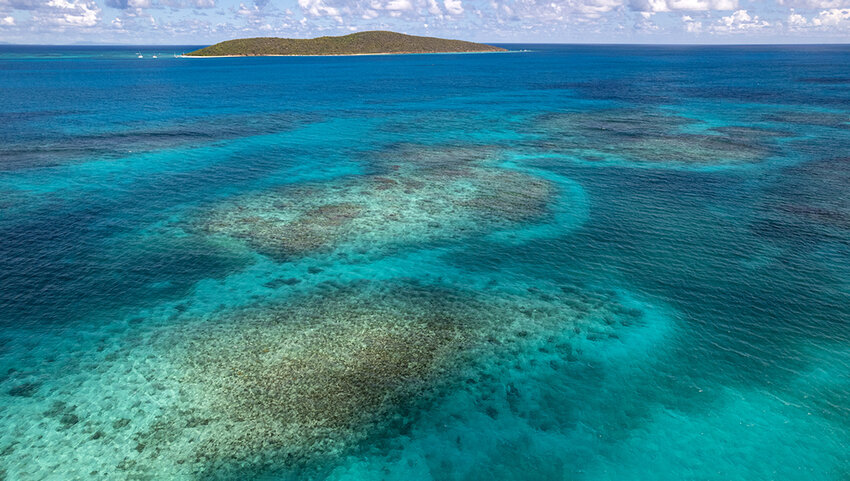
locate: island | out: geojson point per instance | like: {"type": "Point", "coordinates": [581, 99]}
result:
{"type": "Point", "coordinates": [360, 43]}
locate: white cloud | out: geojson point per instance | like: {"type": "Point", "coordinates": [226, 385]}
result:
{"type": "Point", "coordinates": [318, 8]}
{"type": "Point", "coordinates": [739, 21]}
{"type": "Point", "coordinates": [187, 3]}
{"type": "Point", "coordinates": [420, 11]}
{"type": "Point", "coordinates": [834, 17]}
{"type": "Point", "coordinates": [595, 8]}
{"type": "Point", "coordinates": [816, 4]}
{"type": "Point", "coordinates": [137, 5]}
{"type": "Point", "coordinates": [129, 4]}
{"type": "Point", "coordinates": [574, 20]}
{"type": "Point", "coordinates": [399, 5]}
{"type": "Point", "coordinates": [826, 20]}
{"type": "Point", "coordinates": [691, 25]}
{"type": "Point", "coordinates": [573, 11]}
{"type": "Point", "coordinates": [246, 11]}
{"type": "Point", "coordinates": [22, 4]}
{"type": "Point", "coordinates": [682, 5]}
{"type": "Point", "coordinates": [65, 13]}
{"type": "Point", "coordinates": [454, 7]}
{"type": "Point", "coordinates": [645, 23]}
{"type": "Point", "coordinates": [796, 20]}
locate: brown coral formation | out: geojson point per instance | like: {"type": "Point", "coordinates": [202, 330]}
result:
{"type": "Point", "coordinates": [420, 194]}
{"type": "Point", "coordinates": [314, 373]}
{"type": "Point", "coordinates": [650, 138]}
{"type": "Point", "coordinates": [309, 379]}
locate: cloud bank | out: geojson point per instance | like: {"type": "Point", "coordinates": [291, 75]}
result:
{"type": "Point", "coordinates": [207, 21]}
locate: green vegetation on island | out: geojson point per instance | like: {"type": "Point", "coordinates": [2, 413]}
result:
{"type": "Point", "coordinates": [361, 43]}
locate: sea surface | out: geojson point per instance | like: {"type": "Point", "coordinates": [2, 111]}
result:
{"type": "Point", "coordinates": [559, 263]}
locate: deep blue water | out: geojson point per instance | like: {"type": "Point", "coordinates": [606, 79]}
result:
{"type": "Point", "coordinates": [570, 262]}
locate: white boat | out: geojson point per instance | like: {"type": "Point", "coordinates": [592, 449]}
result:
{"type": "Point", "coordinates": [139, 54]}
{"type": "Point", "coordinates": [155, 56]}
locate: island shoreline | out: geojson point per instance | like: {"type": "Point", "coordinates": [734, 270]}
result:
{"type": "Point", "coordinates": [350, 54]}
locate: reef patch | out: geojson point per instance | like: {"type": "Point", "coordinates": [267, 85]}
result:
{"type": "Point", "coordinates": [650, 138]}
{"type": "Point", "coordinates": [809, 205]}
{"type": "Point", "coordinates": [302, 382]}
{"type": "Point", "coordinates": [810, 118]}
{"type": "Point", "coordinates": [417, 194]}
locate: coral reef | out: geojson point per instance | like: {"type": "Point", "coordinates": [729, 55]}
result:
{"type": "Point", "coordinates": [308, 376]}
{"type": "Point", "coordinates": [417, 194]}
{"type": "Point", "coordinates": [24, 390]}
{"type": "Point", "coordinates": [646, 137]}
{"type": "Point", "coordinates": [809, 205]}
{"type": "Point", "coordinates": [308, 379]}
{"type": "Point", "coordinates": [810, 118]}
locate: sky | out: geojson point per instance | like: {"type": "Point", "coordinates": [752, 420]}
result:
{"type": "Point", "coordinates": [203, 22]}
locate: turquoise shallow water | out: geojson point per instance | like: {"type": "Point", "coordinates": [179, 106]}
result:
{"type": "Point", "coordinates": [575, 262]}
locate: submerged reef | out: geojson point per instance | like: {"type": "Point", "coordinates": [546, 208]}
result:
{"type": "Point", "coordinates": [810, 118]}
{"type": "Point", "coordinates": [305, 378]}
{"type": "Point", "coordinates": [414, 194]}
{"type": "Point", "coordinates": [808, 205]}
{"type": "Point", "coordinates": [301, 382]}
{"type": "Point", "coordinates": [651, 138]}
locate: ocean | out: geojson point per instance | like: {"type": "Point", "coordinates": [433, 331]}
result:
{"type": "Point", "coordinates": [565, 262]}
